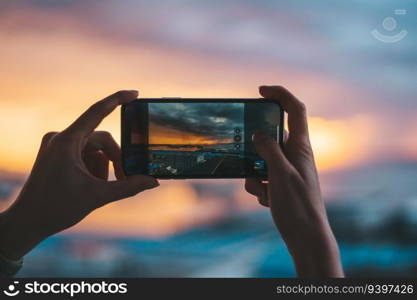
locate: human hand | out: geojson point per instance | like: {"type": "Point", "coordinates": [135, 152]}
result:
{"type": "Point", "coordinates": [293, 192]}
{"type": "Point", "coordinates": [69, 180]}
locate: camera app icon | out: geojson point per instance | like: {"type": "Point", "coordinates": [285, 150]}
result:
{"type": "Point", "coordinates": [11, 290]}
{"type": "Point", "coordinates": [389, 24]}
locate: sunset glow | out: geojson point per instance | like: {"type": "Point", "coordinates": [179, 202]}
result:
{"type": "Point", "coordinates": [158, 213]}
{"type": "Point", "coordinates": [170, 136]}
{"type": "Point", "coordinates": [49, 91]}
{"type": "Point", "coordinates": [338, 144]}
{"type": "Point", "coordinates": [59, 57]}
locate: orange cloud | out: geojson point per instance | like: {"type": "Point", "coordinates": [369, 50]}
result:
{"type": "Point", "coordinates": [50, 77]}
{"type": "Point", "coordinates": [165, 135]}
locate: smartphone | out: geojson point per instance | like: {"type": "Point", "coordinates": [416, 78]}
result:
{"type": "Point", "coordinates": [180, 138]}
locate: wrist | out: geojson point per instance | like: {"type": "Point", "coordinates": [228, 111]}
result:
{"type": "Point", "coordinates": [15, 238]}
{"type": "Point", "coordinates": [317, 255]}
{"type": "Point", "coordinates": [318, 261]}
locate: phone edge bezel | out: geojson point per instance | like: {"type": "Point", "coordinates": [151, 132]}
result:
{"type": "Point", "coordinates": [203, 100]}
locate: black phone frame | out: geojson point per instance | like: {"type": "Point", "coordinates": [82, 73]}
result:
{"type": "Point", "coordinates": [125, 134]}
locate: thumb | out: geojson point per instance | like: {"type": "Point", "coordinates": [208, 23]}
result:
{"type": "Point", "coordinates": [269, 150]}
{"type": "Point", "coordinates": [129, 187]}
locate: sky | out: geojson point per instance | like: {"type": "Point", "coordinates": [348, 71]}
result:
{"type": "Point", "coordinates": [194, 123]}
{"type": "Point", "coordinates": [208, 123]}
{"type": "Point", "coordinates": [59, 57]}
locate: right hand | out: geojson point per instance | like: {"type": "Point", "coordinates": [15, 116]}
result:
{"type": "Point", "coordinates": [293, 192]}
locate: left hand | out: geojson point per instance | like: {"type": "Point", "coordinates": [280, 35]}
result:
{"type": "Point", "coordinates": [69, 180]}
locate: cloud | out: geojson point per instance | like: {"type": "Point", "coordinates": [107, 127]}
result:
{"type": "Point", "coordinates": [297, 36]}
{"type": "Point", "coordinates": [57, 57]}
{"type": "Point", "coordinates": [201, 119]}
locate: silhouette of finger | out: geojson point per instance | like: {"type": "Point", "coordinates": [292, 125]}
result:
{"type": "Point", "coordinates": [103, 140]}
{"type": "Point", "coordinates": [270, 151]}
{"type": "Point", "coordinates": [257, 188]}
{"type": "Point", "coordinates": [263, 201]}
{"type": "Point", "coordinates": [120, 189]}
{"type": "Point", "coordinates": [46, 139]}
{"type": "Point", "coordinates": [97, 164]}
{"type": "Point", "coordinates": [93, 116]}
{"type": "Point", "coordinates": [297, 115]}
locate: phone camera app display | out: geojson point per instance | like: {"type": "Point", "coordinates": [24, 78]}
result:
{"type": "Point", "coordinates": [198, 139]}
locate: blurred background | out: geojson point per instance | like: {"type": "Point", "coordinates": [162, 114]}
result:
{"type": "Point", "coordinates": [353, 63]}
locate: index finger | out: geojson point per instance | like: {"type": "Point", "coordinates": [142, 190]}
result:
{"type": "Point", "coordinates": [297, 115]}
{"type": "Point", "coordinates": [92, 117]}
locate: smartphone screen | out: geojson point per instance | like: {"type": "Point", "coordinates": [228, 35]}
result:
{"type": "Point", "coordinates": [197, 138]}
